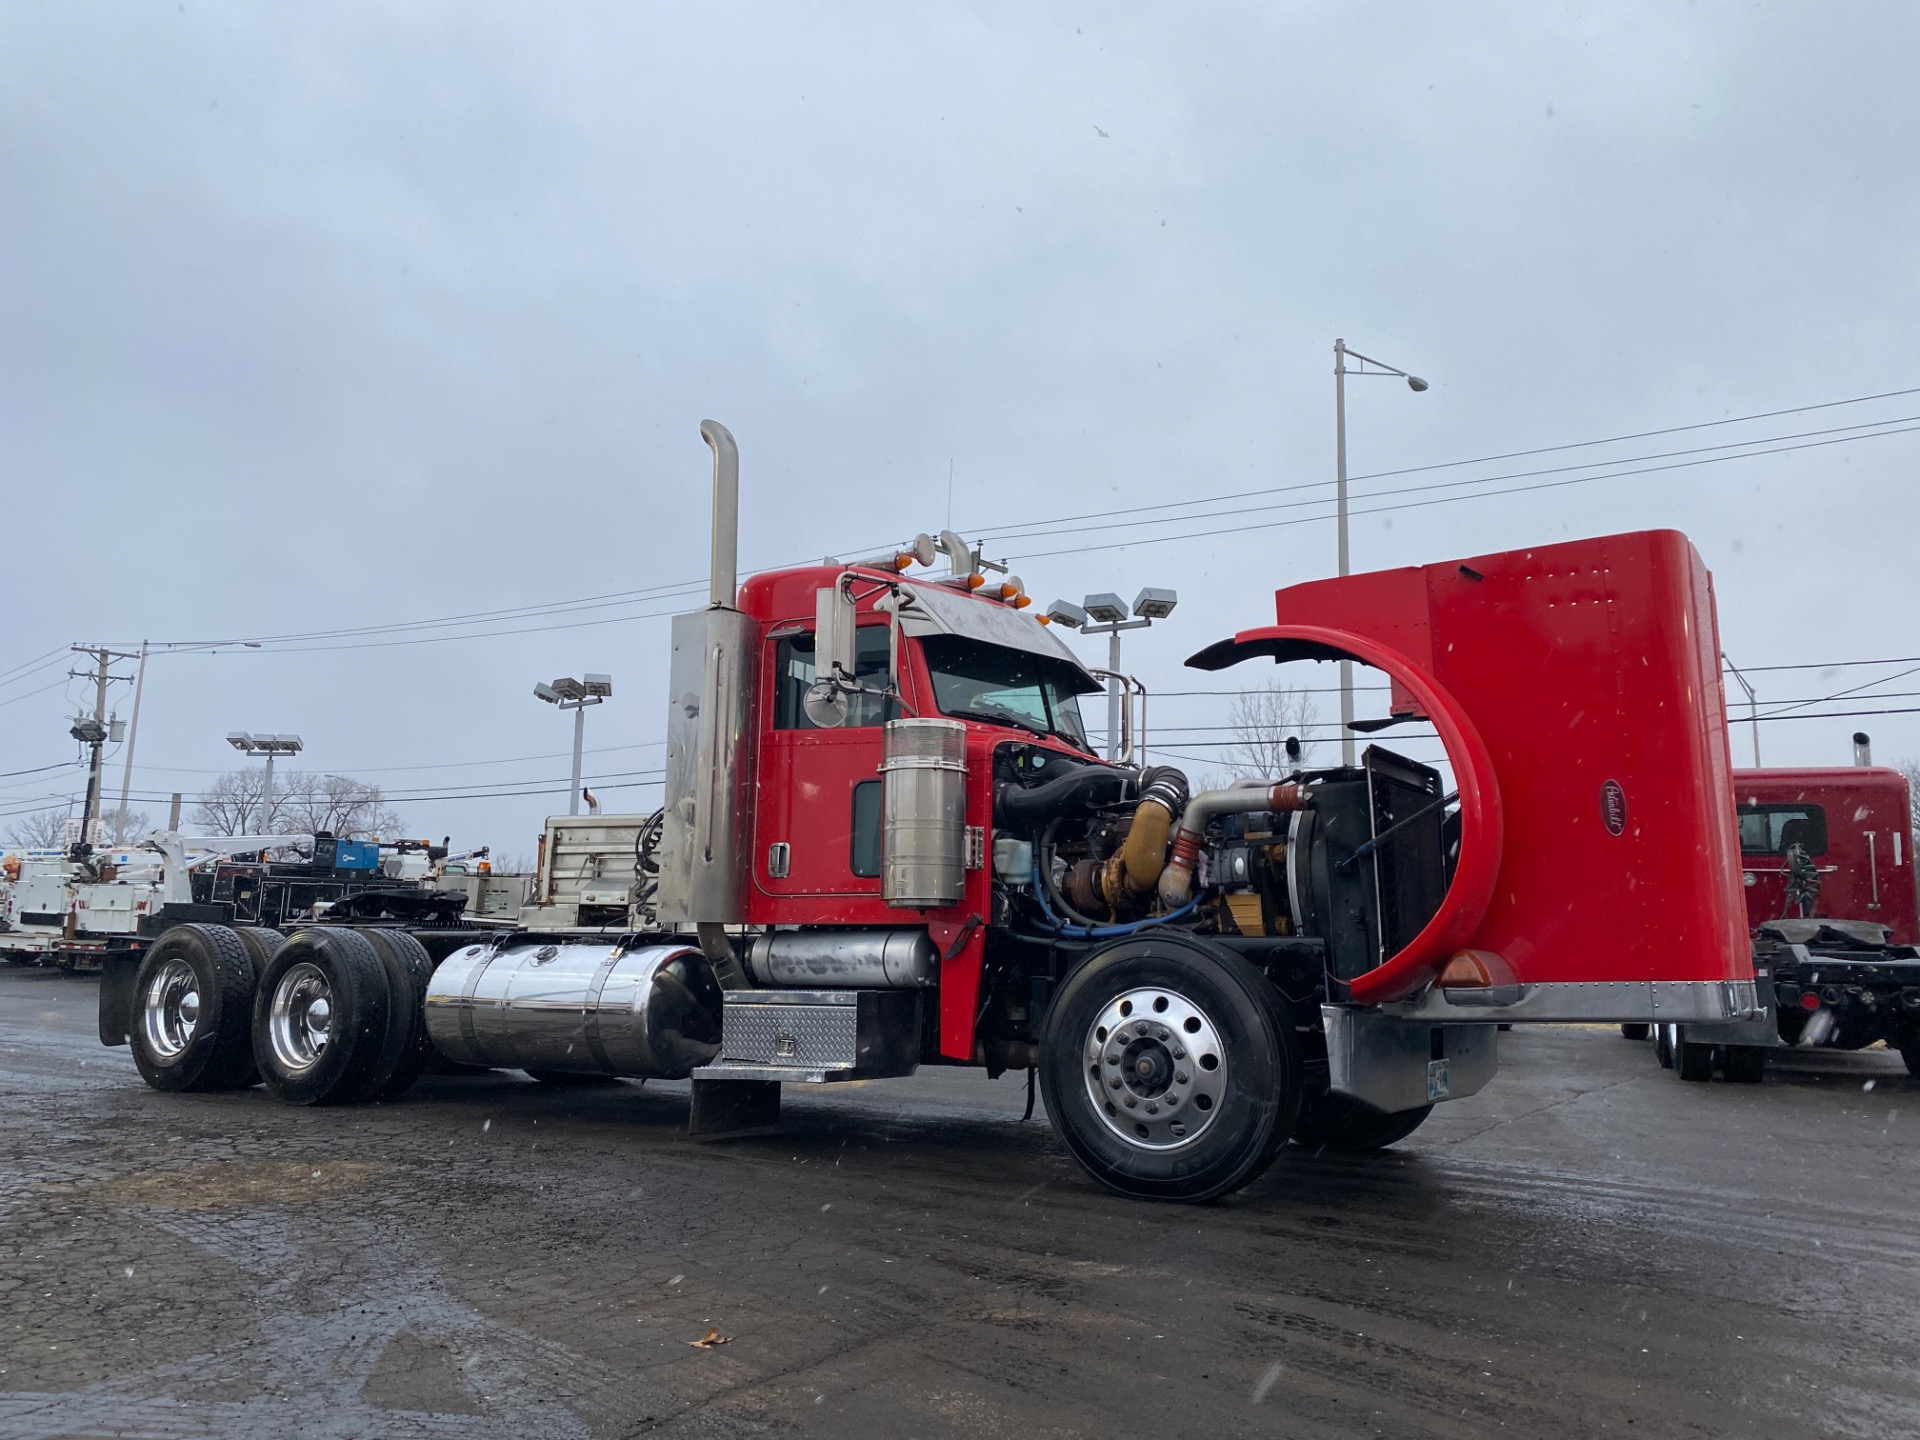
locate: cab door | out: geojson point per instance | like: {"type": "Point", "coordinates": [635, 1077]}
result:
{"type": "Point", "coordinates": [817, 820]}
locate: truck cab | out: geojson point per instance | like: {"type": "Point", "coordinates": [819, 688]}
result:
{"type": "Point", "coordinates": [1855, 824]}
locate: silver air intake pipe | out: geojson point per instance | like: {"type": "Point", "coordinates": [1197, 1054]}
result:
{"type": "Point", "coordinates": [1862, 748]}
{"type": "Point", "coordinates": [726, 514]}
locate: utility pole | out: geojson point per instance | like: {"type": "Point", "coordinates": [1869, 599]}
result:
{"type": "Point", "coordinates": [93, 732]}
{"type": "Point", "coordinates": [133, 734]}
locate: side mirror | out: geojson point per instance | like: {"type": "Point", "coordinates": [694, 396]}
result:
{"type": "Point", "coordinates": [826, 702]}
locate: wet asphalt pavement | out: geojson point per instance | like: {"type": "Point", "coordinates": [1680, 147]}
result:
{"type": "Point", "coordinates": [1589, 1247]}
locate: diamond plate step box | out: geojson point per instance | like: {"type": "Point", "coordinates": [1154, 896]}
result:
{"type": "Point", "coordinates": [817, 1035]}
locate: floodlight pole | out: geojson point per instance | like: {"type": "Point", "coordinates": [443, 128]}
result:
{"type": "Point", "coordinates": [579, 740]}
{"type": "Point", "coordinates": [1115, 694]}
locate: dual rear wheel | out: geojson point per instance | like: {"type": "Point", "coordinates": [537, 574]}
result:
{"type": "Point", "coordinates": [328, 1016]}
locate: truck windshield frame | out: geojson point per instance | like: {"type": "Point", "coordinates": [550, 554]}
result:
{"type": "Point", "coordinates": [975, 680]}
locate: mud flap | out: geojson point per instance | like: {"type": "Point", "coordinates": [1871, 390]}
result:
{"type": "Point", "coordinates": [723, 1108]}
{"type": "Point", "coordinates": [117, 974]}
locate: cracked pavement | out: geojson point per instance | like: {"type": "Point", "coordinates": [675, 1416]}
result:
{"type": "Point", "coordinates": [1587, 1247]}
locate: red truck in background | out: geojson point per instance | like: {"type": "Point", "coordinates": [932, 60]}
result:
{"type": "Point", "coordinates": [1827, 867]}
{"type": "Point", "coordinates": [1855, 823]}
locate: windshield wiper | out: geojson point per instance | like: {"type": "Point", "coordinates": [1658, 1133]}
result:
{"type": "Point", "coordinates": [993, 715]}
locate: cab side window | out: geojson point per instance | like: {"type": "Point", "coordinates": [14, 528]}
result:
{"type": "Point", "coordinates": [793, 672]}
{"type": "Point", "coordinates": [1771, 829]}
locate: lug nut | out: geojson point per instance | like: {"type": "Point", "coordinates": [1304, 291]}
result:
{"type": "Point", "coordinates": [1179, 1077]}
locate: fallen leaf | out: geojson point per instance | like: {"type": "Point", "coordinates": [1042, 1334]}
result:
{"type": "Point", "coordinates": [712, 1338]}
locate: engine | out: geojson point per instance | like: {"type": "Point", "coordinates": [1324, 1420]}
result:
{"type": "Point", "coordinates": [1352, 860]}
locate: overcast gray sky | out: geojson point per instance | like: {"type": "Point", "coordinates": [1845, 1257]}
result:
{"type": "Point", "coordinates": [316, 318]}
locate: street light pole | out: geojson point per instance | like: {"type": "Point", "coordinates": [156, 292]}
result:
{"type": "Point", "coordinates": [1340, 373]}
{"type": "Point", "coordinates": [1753, 706]}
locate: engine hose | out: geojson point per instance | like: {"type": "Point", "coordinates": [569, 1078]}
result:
{"type": "Point", "coordinates": [1042, 864]}
{"type": "Point", "coordinates": [1075, 793]}
{"type": "Point", "coordinates": [1043, 887]}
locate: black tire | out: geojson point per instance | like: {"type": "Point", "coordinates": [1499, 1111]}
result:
{"type": "Point", "coordinates": [1634, 1029]}
{"type": "Point", "coordinates": [1247, 1098]}
{"type": "Point", "coordinates": [1334, 1122]}
{"type": "Point", "coordinates": [1743, 1064]}
{"type": "Point", "coordinates": [1910, 1052]}
{"type": "Point", "coordinates": [406, 1049]}
{"type": "Point", "coordinates": [262, 944]}
{"type": "Point", "coordinates": [568, 1078]}
{"type": "Point", "coordinates": [1692, 1061]}
{"type": "Point", "coordinates": [1663, 1045]}
{"type": "Point", "coordinates": [321, 1058]}
{"type": "Point", "coordinates": [192, 999]}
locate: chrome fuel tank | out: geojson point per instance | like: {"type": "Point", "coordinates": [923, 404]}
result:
{"type": "Point", "coordinates": [596, 1009]}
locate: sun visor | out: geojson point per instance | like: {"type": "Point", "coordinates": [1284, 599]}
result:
{"type": "Point", "coordinates": [936, 610]}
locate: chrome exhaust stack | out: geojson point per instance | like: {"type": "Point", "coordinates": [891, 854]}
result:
{"type": "Point", "coordinates": [703, 849]}
{"type": "Point", "coordinates": [724, 576]}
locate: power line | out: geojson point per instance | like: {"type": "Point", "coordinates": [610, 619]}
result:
{"type": "Point", "coordinates": [1455, 499]}
{"type": "Point", "coordinates": [1544, 449]}
{"type": "Point", "coordinates": [1877, 427]}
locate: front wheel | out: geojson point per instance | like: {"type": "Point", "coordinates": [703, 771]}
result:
{"type": "Point", "coordinates": [1169, 1069]}
{"type": "Point", "coordinates": [1663, 1044]}
{"type": "Point", "coordinates": [1633, 1030]}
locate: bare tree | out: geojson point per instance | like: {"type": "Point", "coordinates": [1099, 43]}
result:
{"type": "Point", "coordinates": [1263, 721]}
{"type": "Point", "coordinates": [127, 825]}
{"type": "Point", "coordinates": [351, 809]}
{"type": "Point", "coordinates": [302, 803]}
{"type": "Point", "coordinates": [42, 830]}
{"type": "Point", "coordinates": [234, 804]}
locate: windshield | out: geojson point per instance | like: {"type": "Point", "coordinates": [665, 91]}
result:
{"type": "Point", "coordinates": [976, 681]}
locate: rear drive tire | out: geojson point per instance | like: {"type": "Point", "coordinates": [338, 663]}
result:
{"type": "Point", "coordinates": [406, 1049]}
{"type": "Point", "coordinates": [192, 998]}
{"type": "Point", "coordinates": [1334, 1122]}
{"type": "Point", "coordinates": [1634, 1030]}
{"type": "Point", "coordinates": [1694, 1062]}
{"type": "Point", "coordinates": [1663, 1045]}
{"type": "Point", "coordinates": [261, 944]}
{"type": "Point", "coordinates": [320, 1017]}
{"type": "Point", "coordinates": [1743, 1064]}
{"type": "Point", "coordinates": [1169, 1069]}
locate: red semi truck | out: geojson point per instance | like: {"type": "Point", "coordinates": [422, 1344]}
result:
{"type": "Point", "coordinates": [1827, 866]}
{"type": "Point", "coordinates": [1855, 824]}
{"type": "Point", "coordinates": [887, 843]}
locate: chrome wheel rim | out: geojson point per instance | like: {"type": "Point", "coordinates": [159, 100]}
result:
{"type": "Point", "coordinates": [171, 1011]}
{"type": "Point", "coordinates": [1156, 1069]}
{"type": "Point", "coordinates": [300, 1019]}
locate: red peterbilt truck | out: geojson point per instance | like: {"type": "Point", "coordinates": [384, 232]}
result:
{"type": "Point", "coordinates": [887, 843]}
{"type": "Point", "coordinates": [1855, 823]}
{"type": "Point", "coordinates": [1829, 880]}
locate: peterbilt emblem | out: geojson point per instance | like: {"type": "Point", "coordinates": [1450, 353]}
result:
{"type": "Point", "coordinates": [785, 1046]}
{"type": "Point", "coordinates": [1613, 807]}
